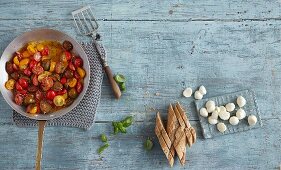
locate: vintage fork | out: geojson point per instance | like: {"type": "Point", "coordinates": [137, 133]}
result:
{"type": "Point", "coordinates": [87, 25]}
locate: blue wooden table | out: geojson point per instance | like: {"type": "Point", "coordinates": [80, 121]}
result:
{"type": "Point", "coordinates": [162, 47]}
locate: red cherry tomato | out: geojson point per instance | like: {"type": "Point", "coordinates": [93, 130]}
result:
{"type": "Point", "coordinates": [23, 92]}
{"type": "Point", "coordinates": [38, 95]}
{"type": "Point", "coordinates": [15, 67]}
{"type": "Point", "coordinates": [78, 62]}
{"type": "Point", "coordinates": [63, 91]}
{"type": "Point", "coordinates": [23, 83]}
{"type": "Point", "coordinates": [76, 75]}
{"type": "Point", "coordinates": [71, 66]}
{"type": "Point", "coordinates": [79, 87]}
{"type": "Point", "coordinates": [63, 80]}
{"type": "Point", "coordinates": [37, 69]}
{"type": "Point", "coordinates": [18, 87]}
{"type": "Point", "coordinates": [32, 63]}
{"type": "Point", "coordinates": [51, 94]}
{"type": "Point", "coordinates": [67, 55]}
{"type": "Point", "coordinates": [45, 51]}
{"type": "Point", "coordinates": [27, 72]}
{"type": "Point", "coordinates": [35, 80]}
{"type": "Point", "coordinates": [18, 99]}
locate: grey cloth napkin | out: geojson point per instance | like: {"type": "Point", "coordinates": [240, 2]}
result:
{"type": "Point", "coordinates": [83, 115]}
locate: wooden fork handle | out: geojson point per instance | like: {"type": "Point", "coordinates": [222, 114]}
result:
{"type": "Point", "coordinates": [112, 82]}
{"type": "Point", "coordinates": [41, 128]}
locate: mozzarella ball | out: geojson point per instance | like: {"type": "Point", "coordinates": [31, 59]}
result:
{"type": "Point", "coordinates": [215, 114]}
{"type": "Point", "coordinates": [222, 109]}
{"type": "Point", "coordinates": [187, 92]}
{"type": "Point", "coordinates": [230, 107]}
{"type": "Point", "coordinates": [202, 90]}
{"type": "Point", "coordinates": [233, 120]}
{"type": "Point", "coordinates": [252, 120]}
{"type": "Point", "coordinates": [212, 121]}
{"type": "Point", "coordinates": [221, 127]}
{"type": "Point", "coordinates": [224, 115]}
{"type": "Point", "coordinates": [241, 101]}
{"type": "Point", "coordinates": [203, 112]}
{"type": "Point", "coordinates": [198, 95]}
{"type": "Point", "coordinates": [240, 114]}
{"type": "Point", "coordinates": [210, 105]}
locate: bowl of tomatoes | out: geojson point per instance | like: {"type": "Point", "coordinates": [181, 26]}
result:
{"type": "Point", "coordinates": [45, 74]}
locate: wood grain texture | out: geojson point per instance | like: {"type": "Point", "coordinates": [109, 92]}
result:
{"type": "Point", "coordinates": [162, 47]}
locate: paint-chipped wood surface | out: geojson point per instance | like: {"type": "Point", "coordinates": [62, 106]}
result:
{"type": "Point", "coordinates": [162, 47]}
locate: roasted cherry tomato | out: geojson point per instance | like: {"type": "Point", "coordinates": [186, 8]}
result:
{"type": "Point", "coordinates": [81, 72]}
{"type": "Point", "coordinates": [23, 92]}
{"type": "Point", "coordinates": [24, 63]}
{"type": "Point", "coordinates": [68, 73]}
{"type": "Point", "coordinates": [18, 99]}
{"type": "Point", "coordinates": [50, 94]}
{"type": "Point", "coordinates": [72, 93]}
{"type": "Point", "coordinates": [60, 67]}
{"type": "Point", "coordinates": [59, 100]}
{"type": "Point", "coordinates": [67, 45]}
{"type": "Point", "coordinates": [47, 83]}
{"type": "Point", "coordinates": [9, 67]}
{"type": "Point", "coordinates": [45, 51]}
{"type": "Point", "coordinates": [63, 91]}
{"type": "Point", "coordinates": [15, 67]}
{"type": "Point", "coordinates": [67, 55]}
{"type": "Point", "coordinates": [45, 106]}
{"type": "Point", "coordinates": [32, 63]}
{"type": "Point", "coordinates": [40, 47]}
{"type": "Point", "coordinates": [18, 87]}
{"type": "Point", "coordinates": [31, 49]}
{"type": "Point", "coordinates": [57, 86]}
{"type": "Point", "coordinates": [71, 66]}
{"type": "Point", "coordinates": [10, 84]}
{"type": "Point", "coordinates": [27, 72]}
{"type": "Point", "coordinates": [32, 89]}
{"type": "Point", "coordinates": [29, 99]}
{"type": "Point", "coordinates": [37, 69]}
{"type": "Point", "coordinates": [26, 54]}
{"type": "Point", "coordinates": [15, 75]}
{"type": "Point", "coordinates": [35, 80]}
{"type": "Point", "coordinates": [72, 82]}
{"type": "Point", "coordinates": [63, 80]}
{"type": "Point", "coordinates": [16, 60]}
{"type": "Point", "coordinates": [52, 66]}
{"type": "Point", "coordinates": [78, 62]}
{"type": "Point", "coordinates": [23, 83]}
{"type": "Point", "coordinates": [79, 87]}
{"type": "Point", "coordinates": [46, 64]}
{"type": "Point", "coordinates": [76, 75]}
{"type": "Point", "coordinates": [38, 95]}
{"type": "Point", "coordinates": [31, 108]}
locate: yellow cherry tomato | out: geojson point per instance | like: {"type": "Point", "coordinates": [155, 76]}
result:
{"type": "Point", "coordinates": [72, 82]}
{"type": "Point", "coordinates": [31, 49]}
{"type": "Point", "coordinates": [24, 63]}
{"type": "Point", "coordinates": [81, 72]}
{"type": "Point", "coordinates": [43, 75]}
{"type": "Point", "coordinates": [65, 95]}
{"type": "Point", "coordinates": [32, 109]}
{"type": "Point", "coordinates": [52, 66]}
{"type": "Point", "coordinates": [10, 84]}
{"type": "Point", "coordinates": [45, 57]}
{"type": "Point", "coordinates": [59, 100]}
{"type": "Point", "coordinates": [40, 47]}
{"type": "Point", "coordinates": [26, 54]}
{"type": "Point", "coordinates": [16, 60]}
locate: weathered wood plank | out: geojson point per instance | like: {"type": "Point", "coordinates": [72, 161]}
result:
{"type": "Point", "coordinates": [70, 148]}
{"type": "Point", "coordinates": [143, 10]}
{"type": "Point", "coordinates": [166, 57]}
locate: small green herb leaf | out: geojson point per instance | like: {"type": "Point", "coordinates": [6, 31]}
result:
{"type": "Point", "coordinates": [127, 121]}
{"type": "Point", "coordinates": [119, 78]}
{"type": "Point", "coordinates": [103, 138]}
{"type": "Point", "coordinates": [102, 148]}
{"type": "Point", "coordinates": [123, 87]}
{"type": "Point", "coordinates": [148, 144]}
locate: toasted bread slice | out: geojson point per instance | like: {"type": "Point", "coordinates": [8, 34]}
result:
{"type": "Point", "coordinates": [164, 139]}
{"type": "Point", "coordinates": [189, 130]}
{"type": "Point", "coordinates": [180, 144]}
{"type": "Point", "coordinates": [172, 126]}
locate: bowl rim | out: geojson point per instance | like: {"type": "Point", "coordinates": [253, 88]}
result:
{"type": "Point", "coordinates": [62, 111]}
